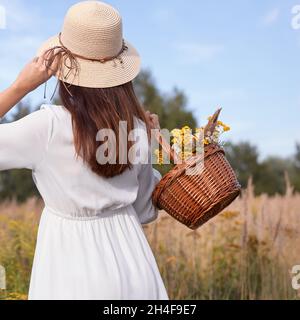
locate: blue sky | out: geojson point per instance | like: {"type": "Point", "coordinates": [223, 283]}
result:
{"type": "Point", "coordinates": [242, 55]}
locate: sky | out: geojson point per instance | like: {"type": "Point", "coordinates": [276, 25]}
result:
{"type": "Point", "coordinates": [241, 55]}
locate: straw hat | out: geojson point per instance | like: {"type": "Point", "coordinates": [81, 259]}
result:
{"type": "Point", "coordinates": [95, 53]}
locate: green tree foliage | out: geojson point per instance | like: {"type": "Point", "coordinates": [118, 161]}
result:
{"type": "Point", "coordinates": [268, 175]}
{"type": "Point", "coordinates": [244, 159]}
{"type": "Point", "coordinates": [16, 184]}
{"type": "Point", "coordinates": [271, 178]}
{"type": "Point", "coordinates": [295, 169]}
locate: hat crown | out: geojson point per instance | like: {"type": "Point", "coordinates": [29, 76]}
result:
{"type": "Point", "coordinates": [93, 29]}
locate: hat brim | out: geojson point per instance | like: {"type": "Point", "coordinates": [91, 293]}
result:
{"type": "Point", "coordinates": [94, 74]}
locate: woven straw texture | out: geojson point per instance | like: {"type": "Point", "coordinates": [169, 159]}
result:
{"type": "Point", "coordinates": [93, 29]}
{"type": "Point", "coordinates": [194, 199]}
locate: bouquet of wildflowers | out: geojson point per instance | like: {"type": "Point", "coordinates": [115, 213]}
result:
{"type": "Point", "coordinates": [186, 143]}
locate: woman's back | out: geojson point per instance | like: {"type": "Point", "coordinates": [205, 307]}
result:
{"type": "Point", "coordinates": [44, 140]}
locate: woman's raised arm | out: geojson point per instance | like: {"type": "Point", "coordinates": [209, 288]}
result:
{"type": "Point", "coordinates": [33, 74]}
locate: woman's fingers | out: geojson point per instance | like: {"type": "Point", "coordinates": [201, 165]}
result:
{"type": "Point", "coordinates": [53, 65]}
{"type": "Point", "coordinates": [38, 70]}
{"type": "Point", "coordinates": [42, 57]}
{"type": "Point", "coordinates": [35, 60]}
{"type": "Point", "coordinates": [49, 61]}
{"type": "Point", "coordinates": [147, 115]}
{"type": "Point", "coordinates": [153, 119]}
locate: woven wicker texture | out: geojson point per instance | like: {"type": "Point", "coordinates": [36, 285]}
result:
{"type": "Point", "coordinates": [193, 199]}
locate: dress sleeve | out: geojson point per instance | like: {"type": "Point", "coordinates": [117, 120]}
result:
{"type": "Point", "coordinates": [23, 142]}
{"type": "Point", "coordinates": [148, 178]}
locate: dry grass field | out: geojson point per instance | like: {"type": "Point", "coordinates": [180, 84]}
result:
{"type": "Point", "coordinates": [246, 252]}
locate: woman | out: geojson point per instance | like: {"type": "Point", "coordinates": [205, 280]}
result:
{"type": "Point", "coordinates": [90, 242]}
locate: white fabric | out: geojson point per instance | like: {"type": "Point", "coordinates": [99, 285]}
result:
{"type": "Point", "coordinates": [90, 243]}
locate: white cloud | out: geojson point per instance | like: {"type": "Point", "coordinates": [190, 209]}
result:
{"type": "Point", "coordinates": [195, 53]}
{"type": "Point", "coordinates": [271, 17]}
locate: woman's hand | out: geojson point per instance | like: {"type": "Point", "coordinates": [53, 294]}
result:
{"type": "Point", "coordinates": [153, 120]}
{"type": "Point", "coordinates": [34, 74]}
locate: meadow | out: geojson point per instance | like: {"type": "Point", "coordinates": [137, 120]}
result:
{"type": "Point", "coordinates": [246, 252]}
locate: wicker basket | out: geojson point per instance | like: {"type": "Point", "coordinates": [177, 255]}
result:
{"type": "Point", "coordinates": [194, 199]}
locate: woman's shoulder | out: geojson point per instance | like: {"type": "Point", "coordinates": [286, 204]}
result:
{"type": "Point", "coordinates": [55, 109]}
{"type": "Point", "coordinates": [56, 117]}
{"type": "Point", "coordinates": [56, 114]}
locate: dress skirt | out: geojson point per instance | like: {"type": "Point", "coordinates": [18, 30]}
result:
{"type": "Point", "coordinates": [94, 258]}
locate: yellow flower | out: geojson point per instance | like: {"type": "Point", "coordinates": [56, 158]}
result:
{"type": "Point", "coordinates": [174, 140]}
{"type": "Point", "coordinates": [176, 132]}
{"type": "Point", "coordinates": [187, 139]}
{"type": "Point", "coordinates": [159, 156]}
{"type": "Point", "coordinates": [223, 125]}
{"type": "Point", "coordinates": [184, 141]}
{"type": "Point", "coordinates": [206, 141]}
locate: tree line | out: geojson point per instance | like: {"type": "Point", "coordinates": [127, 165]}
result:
{"type": "Point", "coordinates": [268, 175]}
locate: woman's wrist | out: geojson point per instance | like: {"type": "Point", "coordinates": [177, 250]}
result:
{"type": "Point", "coordinates": [19, 89]}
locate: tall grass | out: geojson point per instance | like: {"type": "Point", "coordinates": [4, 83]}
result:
{"type": "Point", "coordinates": [246, 252]}
{"type": "Point", "coordinates": [18, 228]}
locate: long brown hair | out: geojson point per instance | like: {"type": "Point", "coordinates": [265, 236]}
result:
{"type": "Point", "coordinates": [93, 109]}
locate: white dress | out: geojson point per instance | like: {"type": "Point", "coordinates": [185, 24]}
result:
{"type": "Point", "coordinates": [90, 244]}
